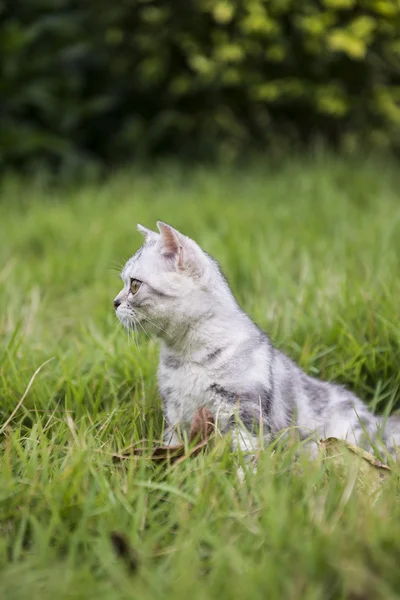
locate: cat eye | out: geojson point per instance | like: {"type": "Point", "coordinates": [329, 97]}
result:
{"type": "Point", "coordinates": [135, 285]}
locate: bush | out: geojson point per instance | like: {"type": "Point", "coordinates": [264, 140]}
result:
{"type": "Point", "coordinates": [101, 80]}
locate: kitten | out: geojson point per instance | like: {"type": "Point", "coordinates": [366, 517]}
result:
{"type": "Point", "coordinates": [213, 354]}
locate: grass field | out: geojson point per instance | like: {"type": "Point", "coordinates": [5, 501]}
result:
{"type": "Point", "coordinates": [312, 251]}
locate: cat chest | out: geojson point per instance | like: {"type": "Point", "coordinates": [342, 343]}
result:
{"type": "Point", "coordinates": [183, 391]}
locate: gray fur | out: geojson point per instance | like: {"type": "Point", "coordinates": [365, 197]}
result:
{"type": "Point", "coordinates": [213, 354]}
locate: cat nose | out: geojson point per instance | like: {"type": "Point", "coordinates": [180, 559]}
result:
{"type": "Point", "coordinates": [116, 303]}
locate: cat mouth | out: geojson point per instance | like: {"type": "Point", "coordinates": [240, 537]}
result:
{"type": "Point", "coordinates": [129, 319]}
{"type": "Point", "coordinates": [126, 319]}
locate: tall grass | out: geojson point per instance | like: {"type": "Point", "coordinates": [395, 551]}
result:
{"type": "Point", "coordinates": [312, 251]}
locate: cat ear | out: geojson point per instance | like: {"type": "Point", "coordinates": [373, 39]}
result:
{"type": "Point", "coordinates": [147, 233]}
{"type": "Point", "coordinates": [183, 252]}
{"type": "Point", "coordinates": [171, 242]}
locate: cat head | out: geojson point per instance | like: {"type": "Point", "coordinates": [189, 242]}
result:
{"type": "Point", "coordinates": [169, 284]}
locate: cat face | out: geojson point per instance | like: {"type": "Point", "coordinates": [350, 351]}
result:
{"type": "Point", "coordinates": [167, 283]}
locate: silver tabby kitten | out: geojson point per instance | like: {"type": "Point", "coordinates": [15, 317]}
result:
{"type": "Point", "coordinates": [213, 354]}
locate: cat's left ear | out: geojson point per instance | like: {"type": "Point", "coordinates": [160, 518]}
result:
{"type": "Point", "coordinates": [171, 243]}
{"type": "Point", "coordinates": [182, 252]}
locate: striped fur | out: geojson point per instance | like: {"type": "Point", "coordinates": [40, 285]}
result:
{"type": "Point", "coordinates": [213, 354]}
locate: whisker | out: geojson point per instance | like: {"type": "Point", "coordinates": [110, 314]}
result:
{"type": "Point", "coordinates": [132, 337]}
{"type": "Point", "coordinates": [143, 329]}
{"type": "Point", "coordinates": [157, 326]}
{"type": "Point", "coordinates": [116, 266]}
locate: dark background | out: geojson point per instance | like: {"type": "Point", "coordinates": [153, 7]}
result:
{"type": "Point", "coordinates": [101, 82]}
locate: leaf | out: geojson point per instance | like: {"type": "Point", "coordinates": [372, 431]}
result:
{"type": "Point", "coordinates": [229, 53]}
{"type": "Point", "coordinates": [371, 472]}
{"type": "Point", "coordinates": [344, 41]}
{"type": "Point", "coordinates": [201, 430]}
{"type": "Point", "coordinates": [223, 12]}
{"type": "Point", "coordinates": [339, 4]}
{"type": "Point", "coordinates": [202, 425]}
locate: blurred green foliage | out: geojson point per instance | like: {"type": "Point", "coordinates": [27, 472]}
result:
{"type": "Point", "coordinates": [94, 79]}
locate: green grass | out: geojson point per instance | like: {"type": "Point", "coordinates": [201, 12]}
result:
{"type": "Point", "coordinates": [311, 249]}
